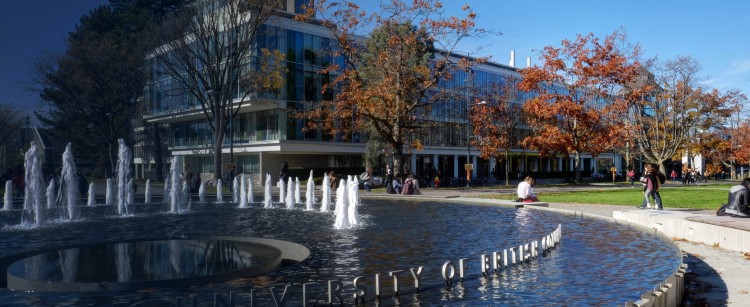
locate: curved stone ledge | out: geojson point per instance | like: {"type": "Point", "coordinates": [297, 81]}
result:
{"type": "Point", "coordinates": [254, 256]}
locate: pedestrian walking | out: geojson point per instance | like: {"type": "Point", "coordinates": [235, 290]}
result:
{"type": "Point", "coordinates": [652, 183]}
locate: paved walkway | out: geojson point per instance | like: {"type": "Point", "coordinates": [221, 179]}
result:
{"type": "Point", "coordinates": [716, 277]}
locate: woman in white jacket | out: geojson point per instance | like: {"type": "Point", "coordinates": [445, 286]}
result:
{"type": "Point", "coordinates": [525, 191]}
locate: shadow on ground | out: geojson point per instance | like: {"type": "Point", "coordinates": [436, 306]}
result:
{"type": "Point", "coordinates": [700, 279]}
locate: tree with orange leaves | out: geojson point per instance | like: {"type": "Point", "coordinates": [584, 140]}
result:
{"type": "Point", "coordinates": [721, 145]}
{"type": "Point", "coordinates": [496, 123]}
{"type": "Point", "coordinates": [386, 83]}
{"type": "Point", "coordinates": [576, 108]}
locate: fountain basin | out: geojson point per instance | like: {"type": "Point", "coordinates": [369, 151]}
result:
{"type": "Point", "coordinates": [597, 263]}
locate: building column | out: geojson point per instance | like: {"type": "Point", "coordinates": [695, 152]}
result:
{"type": "Point", "coordinates": [493, 163]}
{"type": "Point", "coordinates": [455, 167]}
{"type": "Point", "coordinates": [413, 163]}
{"type": "Point", "coordinates": [474, 168]}
{"type": "Point", "coordinates": [435, 163]}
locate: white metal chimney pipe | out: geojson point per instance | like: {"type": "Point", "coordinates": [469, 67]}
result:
{"type": "Point", "coordinates": [528, 61]}
{"type": "Point", "coordinates": [513, 58]}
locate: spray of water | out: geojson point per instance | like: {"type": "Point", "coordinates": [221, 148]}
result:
{"type": "Point", "coordinates": [69, 182]}
{"type": "Point", "coordinates": [289, 197]}
{"type": "Point", "coordinates": [92, 195]}
{"type": "Point", "coordinates": [250, 196]}
{"type": "Point", "coordinates": [51, 194]}
{"type": "Point", "coordinates": [268, 201]}
{"type": "Point", "coordinates": [147, 192]}
{"type": "Point", "coordinates": [310, 193]}
{"type": "Point", "coordinates": [219, 191]}
{"type": "Point", "coordinates": [110, 196]}
{"type": "Point", "coordinates": [33, 204]}
{"type": "Point", "coordinates": [325, 203]}
{"type": "Point", "coordinates": [124, 186]}
{"type": "Point", "coordinates": [282, 190]}
{"type": "Point", "coordinates": [202, 193]}
{"type": "Point", "coordinates": [243, 190]}
{"type": "Point", "coordinates": [342, 204]}
{"type": "Point", "coordinates": [297, 195]}
{"type": "Point", "coordinates": [8, 197]}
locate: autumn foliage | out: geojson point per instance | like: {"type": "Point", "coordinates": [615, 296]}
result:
{"type": "Point", "coordinates": [389, 80]}
{"type": "Point", "coordinates": [576, 108]}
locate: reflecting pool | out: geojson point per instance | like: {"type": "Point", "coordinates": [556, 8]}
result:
{"type": "Point", "coordinates": [597, 262]}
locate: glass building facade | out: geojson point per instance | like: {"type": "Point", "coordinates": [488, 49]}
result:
{"type": "Point", "coordinates": [265, 135]}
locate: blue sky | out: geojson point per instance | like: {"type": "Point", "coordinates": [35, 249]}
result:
{"type": "Point", "coordinates": [714, 33]}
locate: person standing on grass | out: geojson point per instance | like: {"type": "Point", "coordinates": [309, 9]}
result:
{"type": "Point", "coordinates": [631, 177]}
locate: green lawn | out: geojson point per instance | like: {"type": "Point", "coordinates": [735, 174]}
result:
{"type": "Point", "coordinates": [708, 197]}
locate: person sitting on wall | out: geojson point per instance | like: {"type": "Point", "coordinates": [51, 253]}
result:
{"type": "Point", "coordinates": [411, 186]}
{"type": "Point", "coordinates": [738, 204]}
{"type": "Point", "coordinates": [525, 191]}
{"type": "Point", "coordinates": [397, 186]}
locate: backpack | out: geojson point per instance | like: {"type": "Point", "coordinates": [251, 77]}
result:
{"type": "Point", "coordinates": [364, 177]}
{"type": "Point", "coordinates": [662, 177]}
{"type": "Point", "coordinates": [408, 187]}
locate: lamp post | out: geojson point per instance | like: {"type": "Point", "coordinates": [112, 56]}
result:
{"type": "Point", "coordinates": [469, 166]}
{"type": "Point", "coordinates": [469, 72]}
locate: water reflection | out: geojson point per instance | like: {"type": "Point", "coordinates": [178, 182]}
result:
{"type": "Point", "coordinates": [144, 261]}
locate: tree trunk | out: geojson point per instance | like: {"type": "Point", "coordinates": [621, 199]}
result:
{"type": "Point", "coordinates": [577, 166]}
{"type": "Point", "coordinates": [218, 140]}
{"type": "Point", "coordinates": [507, 167]}
{"type": "Point", "coordinates": [111, 165]}
{"type": "Point", "coordinates": [217, 155]}
{"type": "Point", "coordinates": [157, 154]}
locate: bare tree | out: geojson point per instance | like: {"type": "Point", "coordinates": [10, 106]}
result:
{"type": "Point", "coordinates": [672, 108]}
{"type": "Point", "coordinates": [209, 51]}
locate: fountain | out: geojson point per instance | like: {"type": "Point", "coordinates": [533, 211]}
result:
{"type": "Point", "coordinates": [165, 199]}
{"type": "Point", "coordinates": [250, 196]}
{"type": "Point", "coordinates": [51, 195]}
{"type": "Point", "coordinates": [219, 191]}
{"type": "Point", "coordinates": [185, 196]}
{"type": "Point", "coordinates": [34, 211]}
{"type": "Point", "coordinates": [69, 183]}
{"type": "Point", "coordinates": [92, 195]}
{"type": "Point", "coordinates": [243, 190]}
{"type": "Point", "coordinates": [310, 193]}
{"type": "Point", "coordinates": [175, 191]}
{"type": "Point", "coordinates": [202, 193]}
{"type": "Point", "coordinates": [235, 189]}
{"type": "Point", "coordinates": [109, 196]}
{"type": "Point", "coordinates": [268, 200]}
{"type": "Point", "coordinates": [124, 186]}
{"type": "Point", "coordinates": [282, 190]}
{"type": "Point", "coordinates": [297, 195]}
{"type": "Point", "coordinates": [289, 195]}
{"type": "Point", "coordinates": [342, 204]}
{"type": "Point", "coordinates": [353, 214]}
{"type": "Point", "coordinates": [325, 202]}
{"type": "Point", "coordinates": [361, 248]}
{"type": "Point", "coordinates": [8, 197]}
{"type": "Point", "coordinates": [147, 192]}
